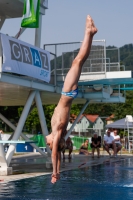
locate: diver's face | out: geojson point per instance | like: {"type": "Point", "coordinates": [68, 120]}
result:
{"type": "Point", "coordinates": [49, 141]}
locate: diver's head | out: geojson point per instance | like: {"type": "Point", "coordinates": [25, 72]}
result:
{"type": "Point", "coordinates": [49, 142]}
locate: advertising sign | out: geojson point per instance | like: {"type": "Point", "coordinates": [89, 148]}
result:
{"type": "Point", "coordinates": [25, 59]}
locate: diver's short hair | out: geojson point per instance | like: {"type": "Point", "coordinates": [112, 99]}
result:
{"type": "Point", "coordinates": [62, 144]}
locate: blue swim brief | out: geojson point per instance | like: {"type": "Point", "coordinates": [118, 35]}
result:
{"type": "Point", "coordinates": [72, 93]}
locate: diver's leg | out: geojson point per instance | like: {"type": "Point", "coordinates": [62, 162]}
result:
{"type": "Point", "coordinates": [72, 77]}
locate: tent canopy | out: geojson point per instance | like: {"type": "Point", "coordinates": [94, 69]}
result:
{"type": "Point", "coordinates": [120, 124]}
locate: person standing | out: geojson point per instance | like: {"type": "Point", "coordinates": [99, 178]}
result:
{"type": "Point", "coordinates": [69, 146]}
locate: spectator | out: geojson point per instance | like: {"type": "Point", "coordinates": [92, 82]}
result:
{"type": "Point", "coordinates": [69, 146]}
{"type": "Point", "coordinates": [96, 144]}
{"type": "Point", "coordinates": [109, 143]}
{"type": "Point", "coordinates": [1, 134]}
{"type": "Point", "coordinates": [111, 131]}
{"type": "Point", "coordinates": [84, 148]}
{"type": "Point", "coordinates": [117, 141]}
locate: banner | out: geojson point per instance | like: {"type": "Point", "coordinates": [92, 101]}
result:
{"type": "Point", "coordinates": [30, 17]}
{"type": "Point", "coordinates": [25, 59]}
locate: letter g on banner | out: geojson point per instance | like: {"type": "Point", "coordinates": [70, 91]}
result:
{"type": "Point", "coordinates": [15, 51]}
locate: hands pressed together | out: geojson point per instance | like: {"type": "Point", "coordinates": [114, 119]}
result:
{"type": "Point", "coordinates": [55, 178]}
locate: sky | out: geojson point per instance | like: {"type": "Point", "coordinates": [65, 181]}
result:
{"type": "Point", "coordinates": [64, 21]}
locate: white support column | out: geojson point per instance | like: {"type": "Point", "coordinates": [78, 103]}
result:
{"type": "Point", "coordinates": [19, 128]}
{"type": "Point", "coordinates": [38, 32]}
{"type": "Point", "coordinates": [2, 20]}
{"type": "Point", "coordinates": [0, 57]}
{"type": "Point", "coordinates": [4, 169]}
{"type": "Point", "coordinates": [22, 135]}
{"type": "Point", "coordinates": [42, 117]}
{"type": "Point", "coordinates": [76, 120]}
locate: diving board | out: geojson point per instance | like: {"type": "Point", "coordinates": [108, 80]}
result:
{"type": "Point", "coordinates": [110, 81]}
{"type": "Point", "coordinates": [16, 142]}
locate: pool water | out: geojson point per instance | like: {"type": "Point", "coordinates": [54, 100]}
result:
{"type": "Point", "coordinates": [109, 181]}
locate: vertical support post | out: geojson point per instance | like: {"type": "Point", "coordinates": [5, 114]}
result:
{"type": "Point", "coordinates": [3, 162]}
{"type": "Point", "coordinates": [2, 20]}
{"type": "Point", "coordinates": [20, 126]}
{"type": "Point", "coordinates": [0, 56]}
{"type": "Point", "coordinates": [105, 55]}
{"type": "Point", "coordinates": [76, 120]}
{"type": "Point", "coordinates": [38, 33]}
{"type": "Point", "coordinates": [79, 132]}
{"type": "Point", "coordinates": [55, 74]}
{"type": "Point", "coordinates": [55, 78]}
{"type": "Point", "coordinates": [119, 56]}
{"type": "Point", "coordinates": [42, 117]}
{"type": "Point", "coordinates": [4, 169]}
{"type": "Point", "coordinates": [128, 138]}
{"type": "Point", "coordinates": [63, 63]}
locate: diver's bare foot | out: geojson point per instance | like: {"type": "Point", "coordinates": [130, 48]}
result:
{"type": "Point", "coordinates": [90, 26]}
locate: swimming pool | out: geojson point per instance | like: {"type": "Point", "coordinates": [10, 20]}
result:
{"type": "Point", "coordinates": [109, 181]}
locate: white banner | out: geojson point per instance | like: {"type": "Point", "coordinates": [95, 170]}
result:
{"type": "Point", "coordinates": [25, 59]}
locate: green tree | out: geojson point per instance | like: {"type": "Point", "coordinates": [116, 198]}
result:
{"type": "Point", "coordinates": [123, 109]}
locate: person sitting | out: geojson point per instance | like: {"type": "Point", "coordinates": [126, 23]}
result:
{"type": "Point", "coordinates": [69, 146]}
{"type": "Point", "coordinates": [109, 142]}
{"type": "Point", "coordinates": [84, 148]}
{"type": "Point", "coordinates": [96, 144]}
{"type": "Point", "coordinates": [111, 131]}
{"type": "Point", "coordinates": [117, 141]}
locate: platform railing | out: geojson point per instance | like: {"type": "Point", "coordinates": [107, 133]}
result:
{"type": "Point", "coordinates": [98, 61]}
{"type": "Point", "coordinates": [0, 56]}
{"type": "Point", "coordinates": [64, 54]}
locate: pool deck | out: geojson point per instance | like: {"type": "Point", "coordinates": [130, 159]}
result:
{"type": "Point", "coordinates": [33, 164]}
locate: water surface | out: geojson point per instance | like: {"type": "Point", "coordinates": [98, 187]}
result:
{"type": "Point", "coordinates": [110, 181]}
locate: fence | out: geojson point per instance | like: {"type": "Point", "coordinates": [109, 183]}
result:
{"type": "Point", "coordinates": [63, 54]}
{"type": "Point", "coordinates": [77, 142]}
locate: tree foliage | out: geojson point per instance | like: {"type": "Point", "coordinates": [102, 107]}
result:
{"type": "Point", "coordinates": [120, 110]}
{"type": "Point", "coordinates": [126, 55]}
